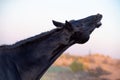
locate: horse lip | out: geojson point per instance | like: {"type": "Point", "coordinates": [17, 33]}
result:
{"type": "Point", "coordinates": [99, 16]}
{"type": "Point", "coordinates": [98, 24]}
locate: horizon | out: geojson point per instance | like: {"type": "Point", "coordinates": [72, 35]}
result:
{"type": "Point", "coordinates": [26, 18]}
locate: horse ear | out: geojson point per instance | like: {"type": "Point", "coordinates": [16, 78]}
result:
{"type": "Point", "coordinates": [68, 26]}
{"type": "Point", "coordinates": [58, 24]}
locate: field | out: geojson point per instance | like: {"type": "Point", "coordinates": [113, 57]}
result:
{"type": "Point", "coordinates": [95, 67]}
{"type": "Point", "coordinates": [64, 73]}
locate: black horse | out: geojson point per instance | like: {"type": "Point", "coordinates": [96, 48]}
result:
{"type": "Point", "coordinates": [30, 58]}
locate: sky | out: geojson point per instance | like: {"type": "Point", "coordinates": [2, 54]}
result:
{"type": "Point", "coordinates": [20, 19]}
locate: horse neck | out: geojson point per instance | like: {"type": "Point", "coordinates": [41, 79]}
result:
{"type": "Point", "coordinates": [36, 57]}
{"type": "Point", "coordinates": [39, 46]}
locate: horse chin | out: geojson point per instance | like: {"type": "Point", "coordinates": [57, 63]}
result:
{"type": "Point", "coordinates": [82, 40]}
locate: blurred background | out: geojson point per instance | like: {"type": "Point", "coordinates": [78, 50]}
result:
{"type": "Point", "coordinates": [20, 19]}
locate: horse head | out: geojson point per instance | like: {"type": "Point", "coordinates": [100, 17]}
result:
{"type": "Point", "coordinates": [80, 30]}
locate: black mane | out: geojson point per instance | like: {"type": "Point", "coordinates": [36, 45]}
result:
{"type": "Point", "coordinates": [31, 39]}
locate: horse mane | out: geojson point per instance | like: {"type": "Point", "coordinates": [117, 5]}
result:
{"type": "Point", "coordinates": [31, 39]}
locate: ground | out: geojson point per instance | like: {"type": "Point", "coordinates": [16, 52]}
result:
{"type": "Point", "coordinates": [99, 67]}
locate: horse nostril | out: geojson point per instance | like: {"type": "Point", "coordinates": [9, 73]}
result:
{"type": "Point", "coordinates": [99, 15]}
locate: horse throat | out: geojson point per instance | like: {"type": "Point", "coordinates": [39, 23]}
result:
{"type": "Point", "coordinates": [42, 54]}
